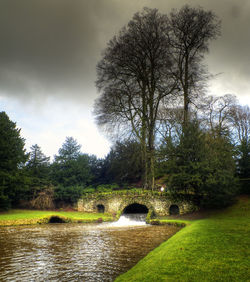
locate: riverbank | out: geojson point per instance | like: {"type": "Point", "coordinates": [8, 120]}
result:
{"type": "Point", "coordinates": [27, 217]}
{"type": "Point", "coordinates": [212, 249]}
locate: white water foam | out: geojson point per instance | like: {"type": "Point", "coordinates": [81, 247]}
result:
{"type": "Point", "coordinates": [130, 220]}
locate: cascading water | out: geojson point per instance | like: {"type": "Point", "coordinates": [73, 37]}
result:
{"type": "Point", "coordinates": [130, 219]}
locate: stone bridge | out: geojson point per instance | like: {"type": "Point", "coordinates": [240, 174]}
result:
{"type": "Point", "coordinates": [117, 202]}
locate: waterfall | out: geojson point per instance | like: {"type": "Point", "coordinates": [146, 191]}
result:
{"type": "Point", "coordinates": [130, 220]}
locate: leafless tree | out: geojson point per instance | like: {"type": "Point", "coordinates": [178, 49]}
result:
{"type": "Point", "coordinates": [240, 119]}
{"type": "Point", "coordinates": [152, 58]}
{"type": "Point", "coordinates": [133, 77]}
{"type": "Point", "coordinates": [216, 113]}
{"type": "Point", "coordinates": [191, 29]}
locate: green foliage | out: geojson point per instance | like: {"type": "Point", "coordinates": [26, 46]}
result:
{"type": "Point", "coordinates": [88, 190]}
{"type": "Point", "coordinates": [72, 172]}
{"type": "Point", "coordinates": [107, 187]}
{"type": "Point", "coordinates": [37, 171]}
{"type": "Point", "coordinates": [150, 215]}
{"type": "Point", "coordinates": [12, 156]}
{"type": "Point", "coordinates": [69, 194]}
{"type": "Point", "coordinates": [243, 165]}
{"type": "Point", "coordinates": [5, 203]}
{"type": "Point", "coordinates": [124, 163]}
{"type": "Point", "coordinates": [71, 168]}
{"type": "Point", "coordinates": [70, 150]}
{"type": "Point", "coordinates": [201, 169]}
{"type": "Point", "coordinates": [37, 164]}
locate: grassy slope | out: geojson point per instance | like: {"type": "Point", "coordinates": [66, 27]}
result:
{"type": "Point", "coordinates": [213, 249]}
{"type": "Point", "coordinates": [19, 217]}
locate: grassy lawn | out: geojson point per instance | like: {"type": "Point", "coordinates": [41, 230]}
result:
{"type": "Point", "coordinates": [21, 217]}
{"type": "Point", "coordinates": [212, 249]}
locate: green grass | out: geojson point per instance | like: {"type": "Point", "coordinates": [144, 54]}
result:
{"type": "Point", "coordinates": [21, 217]}
{"type": "Point", "coordinates": [212, 249]}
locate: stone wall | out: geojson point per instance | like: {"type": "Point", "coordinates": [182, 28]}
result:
{"type": "Point", "coordinates": [117, 202]}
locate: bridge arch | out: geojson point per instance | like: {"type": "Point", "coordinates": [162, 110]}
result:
{"type": "Point", "coordinates": [145, 206]}
{"type": "Point", "coordinates": [135, 208]}
{"type": "Point", "coordinates": [174, 210]}
{"type": "Point", "coordinates": [100, 208]}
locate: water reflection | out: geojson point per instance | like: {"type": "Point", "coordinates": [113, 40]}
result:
{"type": "Point", "coordinates": [68, 252]}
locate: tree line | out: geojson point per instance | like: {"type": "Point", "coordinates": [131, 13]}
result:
{"type": "Point", "coordinates": [208, 164]}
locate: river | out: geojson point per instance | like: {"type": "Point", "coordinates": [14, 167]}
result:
{"type": "Point", "coordinates": [76, 252]}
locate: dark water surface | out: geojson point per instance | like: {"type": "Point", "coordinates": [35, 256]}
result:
{"type": "Point", "coordinates": [75, 252]}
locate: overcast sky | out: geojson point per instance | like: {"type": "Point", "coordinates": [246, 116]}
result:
{"type": "Point", "coordinates": [49, 50]}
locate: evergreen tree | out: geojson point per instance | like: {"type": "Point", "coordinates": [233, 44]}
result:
{"type": "Point", "coordinates": [37, 169]}
{"type": "Point", "coordinates": [70, 167]}
{"type": "Point", "coordinates": [202, 169]}
{"type": "Point", "coordinates": [38, 162]}
{"type": "Point", "coordinates": [70, 151]}
{"type": "Point", "coordinates": [243, 165]}
{"type": "Point", "coordinates": [124, 163]}
{"type": "Point", "coordinates": [12, 157]}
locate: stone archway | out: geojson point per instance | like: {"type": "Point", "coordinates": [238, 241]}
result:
{"type": "Point", "coordinates": [100, 208]}
{"type": "Point", "coordinates": [174, 210]}
{"type": "Point", "coordinates": [135, 208]}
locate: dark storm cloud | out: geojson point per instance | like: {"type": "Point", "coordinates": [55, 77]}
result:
{"type": "Point", "coordinates": [51, 47]}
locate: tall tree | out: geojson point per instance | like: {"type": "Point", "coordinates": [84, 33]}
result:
{"type": "Point", "coordinates": [133, 77]}
{"type": "Point", "coordinates": [216, 113]}
{"type": "Point", "coordinates": [70, 150]}
{"type": "Point", "coordinates": [240, 120]}
{"type": "Point", "coordinates": [202, 169]}
{"type": "Point", "coordinates": [12, 156]}
{"type": "Point", "coordinates": [191, 29]}
{"type": "Point", "coordinates": [37, 169]}
{"type": "Point", "coordinates": [37, 161]}
{"type": "Point", "coordinates": [71, 167]}
{"type": "Point", "coordinates": [124, 162]}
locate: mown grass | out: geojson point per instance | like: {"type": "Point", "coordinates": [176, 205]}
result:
{"type": "Point", "coordinates": [22, 217]}
{"type": "Point", "coordinates": [212, 249]}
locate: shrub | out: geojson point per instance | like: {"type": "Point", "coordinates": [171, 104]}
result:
{"type": "Point", "coordinates": [44, 200]}
{"type": "Point", "coordinates": [69, 194]}
{"type": "Point", "coordinates": [155, 222]}
{"type": "Point", "coordinates": [107, 187]}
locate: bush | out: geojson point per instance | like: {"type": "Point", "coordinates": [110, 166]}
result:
{"type": "Point", "coordinates": [4, 202]}
{"type": "Point", "coordinates": [89, 189]}
{"type": "Point", "coordinates": [155, 222]}
{"type": "Point", "coordinates": [69, 194]}
{"type": "Point", "coordinates": [150, 215]}
{"type": "Point", "coordinates": [44, 200]}
{"type": "Point", "coordinates": [107, 187]}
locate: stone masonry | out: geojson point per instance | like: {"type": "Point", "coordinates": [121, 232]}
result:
{"type": "Point", "coordinates": [117, 202]}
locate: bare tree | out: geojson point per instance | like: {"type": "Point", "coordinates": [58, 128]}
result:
{"type": "Point", "coordinates": [152, 58]}
{"type": "Point", "coordinates": [191, 29]}
{"type": "Point", "coordinates": [240, 119]}
{"type": "Point", "coordinates": [216, 112]}
{"type": "Point", "coordinates": [133, 77]}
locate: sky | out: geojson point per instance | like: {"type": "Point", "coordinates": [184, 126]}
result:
{"type": "Point", "coordinates": [48, 55]}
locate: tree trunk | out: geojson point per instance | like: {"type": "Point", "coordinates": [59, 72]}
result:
{"type": "Point", "coordinates": [186, 93]}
